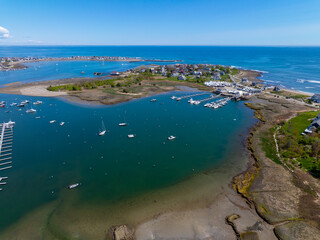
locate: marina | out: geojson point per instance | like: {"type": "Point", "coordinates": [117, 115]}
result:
{"type": "Point", "coordinates": [6, 138]}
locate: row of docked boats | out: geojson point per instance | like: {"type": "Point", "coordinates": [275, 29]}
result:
{"type": "Point", "coordinates": [22, 104]}
{"type": "Point", "coordinates": [218, 104]}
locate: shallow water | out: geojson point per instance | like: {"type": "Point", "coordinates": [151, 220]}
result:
{"type": "Point", "coordinates": [114, 169]}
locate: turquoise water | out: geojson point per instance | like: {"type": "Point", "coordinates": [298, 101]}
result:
{"type": "Point", "coordinates": [48, 157]}
{"type": "Point", "coordinates": [292, 67]}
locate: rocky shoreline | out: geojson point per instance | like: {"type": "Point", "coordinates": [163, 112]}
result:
{"type": "Point", "coordinates": [278, 195]}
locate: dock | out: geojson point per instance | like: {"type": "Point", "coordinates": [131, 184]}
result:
{"type": "Point", "coordinates": [6, 139]}
{"type": "Point", "coordinates": [193, 95]}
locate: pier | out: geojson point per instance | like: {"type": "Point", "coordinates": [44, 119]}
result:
{"type": "Point", "coordinates": [206, 99]}
{"type": "Point", "coordinates": [193, 95]}
{"type": "Point", "coordinates": [6, 138]}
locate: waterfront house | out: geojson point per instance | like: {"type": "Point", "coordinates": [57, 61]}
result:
{"type": "Point", "coordinates": [315, 98]}
{"type": "Point", "coordinates": [313, 126]}
{"type": "Point", "coordinates": [276, 89]}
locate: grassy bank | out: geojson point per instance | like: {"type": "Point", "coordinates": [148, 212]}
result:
{"type": "Point", "coordinates": [297, 149]}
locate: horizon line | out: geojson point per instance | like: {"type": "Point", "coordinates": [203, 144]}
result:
{"type": "Point", "coordinates": [103, 45]}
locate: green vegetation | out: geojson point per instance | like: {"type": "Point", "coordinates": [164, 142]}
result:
{"type": "Point", "coordinates": [291, 95]}
{"type": "Point", "coordinates": [300, 150]}
{"type": "Point", "coordinates": [234, 71]}
{"type": "Point", "coordinates": [269, 146]}
{"type": "Point", "coordinates": [83, 85]}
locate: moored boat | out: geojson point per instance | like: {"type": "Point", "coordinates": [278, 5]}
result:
{"type": "Point", "coordinates": [73, 185]}
{"type": "Point", "coordinates": [103, 130]}
{"type": "Point", "coordinates": [171, 137]}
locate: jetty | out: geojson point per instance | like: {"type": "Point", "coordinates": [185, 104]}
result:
{"type": "Point", "coordinates": [6, 138]}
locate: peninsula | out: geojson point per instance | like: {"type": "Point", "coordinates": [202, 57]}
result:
{"type": "Point", "coordinates": [16, 63]}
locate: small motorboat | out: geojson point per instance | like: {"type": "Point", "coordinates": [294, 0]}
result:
{"type": "Point", "coordinates": [171, 137]}
{"type": "Point", "coordinates": [11, 123]}
{"type": "Point", "coordinates": [122, 124]}
{"type": "Point", "coordinates": [25, 102]}
{"type": "Point", "coordinates": [20, 105]}
{"type": "Point", "coordinates": [37, 102]}
{"type": "Point", "coordinates": [62, 123]}
{"type": "Point", "coordinates": [153, 100]}
{"type": "Point", "coordinates": [173, 97]}
{"type": "Point", "coordinates": [73, 185]}
{"type": "Point", "coordinates": [13, 104]}
{"type": "Point", "coordinates": [31, 110]}
{"type": "Point", "coordinates": [131, 136]}
{"type": "Point", "coordinates": [52, 121]}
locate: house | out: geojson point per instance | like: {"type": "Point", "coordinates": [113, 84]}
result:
{"type": "Point", "coordinates": [276, 89]}
{"type": "Point", "coordinates": [175, 74]}
{"type": "Point", "coordinates": [313, 126]}
{"type": "Point", "coordinates": [315, 98]}
{"type": "Point", "coordinates": [216, 76]}
{"type": "Point", "coordinates": [244, 80]}
{"type": "Point", "coordinates": [182, 77]}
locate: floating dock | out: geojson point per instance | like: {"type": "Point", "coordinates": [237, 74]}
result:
{"type": "Point", "coordinates": [6, 138]}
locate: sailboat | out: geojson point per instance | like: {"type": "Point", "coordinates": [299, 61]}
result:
{"type": "Point", "coordinates": [103, 131]}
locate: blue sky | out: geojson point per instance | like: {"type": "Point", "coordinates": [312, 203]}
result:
{"type": "Point", "coordinates": [165, 22]}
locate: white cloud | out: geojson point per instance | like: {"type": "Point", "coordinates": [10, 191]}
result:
{"type": "Point", "coordinates": [4, 33]}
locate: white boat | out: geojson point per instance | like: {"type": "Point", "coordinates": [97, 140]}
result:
{"type": "Point", "coordinates": [11, 123]}
{"type": "Point", "coordinates": [103, 130]}
{"type": "Point", "coordinates": [31, 110]}
{"type": "Point", "coordinates": [131, 136]}
{"type": "Point", "coordinates": [171, 137]}
{"type": "Point", "coordinates": [122, 124]}
{"type": "Point", "coordinates": [73, 185]}
{"type": "Point", "coordinates": [25, 102]}
{"type": "Point", "coordinates": [52, 121]}
{"type": "Point", "coordinates": [13, 104]}
{"type": "Point", "coordinates": [37, 102]}
{"type": "Point", "coordinates": [62, 123]}
{"type": "Point", "coordinates": [178, 99]}
{"type": "Point", "coordinates": [3, 178]}
{"type": "Point", "coordinates": [173, 97]}
{"type": "Point", "coordinates": [153, 100]}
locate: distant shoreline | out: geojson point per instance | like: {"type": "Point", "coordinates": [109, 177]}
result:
{"type": "Point", "coordinates": [17, 63]}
